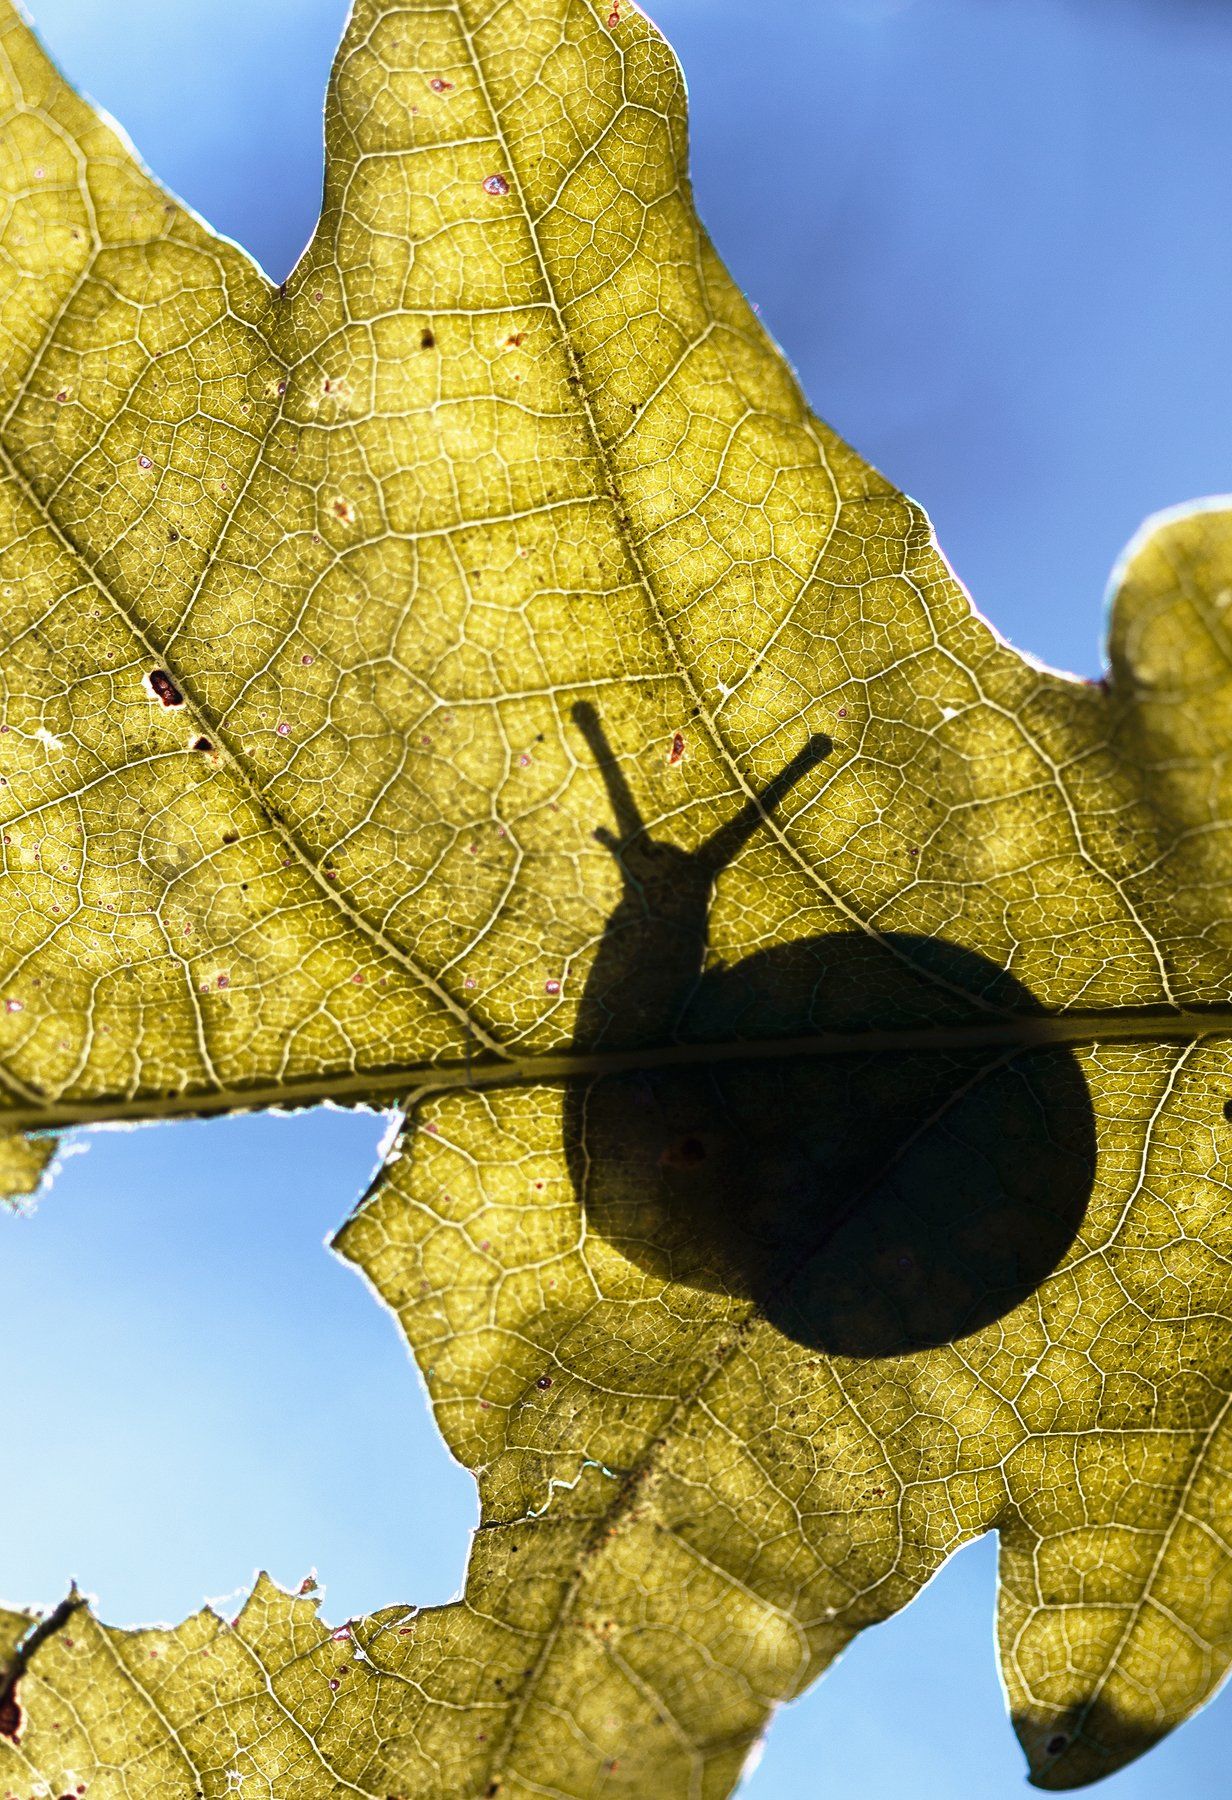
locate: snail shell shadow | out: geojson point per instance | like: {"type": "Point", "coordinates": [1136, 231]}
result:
{"type": "Point", "coordinates": [869, 1202]}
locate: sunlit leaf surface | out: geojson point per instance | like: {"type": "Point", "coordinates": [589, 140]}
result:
{"type": "Point", "coordinates": [470, 676]}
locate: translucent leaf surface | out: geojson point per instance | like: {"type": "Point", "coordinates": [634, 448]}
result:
{"type": "Point", "coordinates": [470, 676]}
{"type": "Point", "coordinates": [24, 1164]}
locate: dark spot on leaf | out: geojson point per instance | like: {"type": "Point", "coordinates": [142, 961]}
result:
{"type": "Point", "coordinates": [677, 749]}
{"type": "Point", "coordinates": [544, 1381]}
{"type": "Point", "coordinates": [428, 340]}
{"type": "Point", "coordinates": [165, 688]}
{"type": "Point", "coordinates": [689, 1153]}
{"type": "Point", "coordinates": [1055, 1745]}
{"type": "Point", "coordinates": [10, 1707]}
{"type": "Point", "coordinates": [1227, 1111]}
{"type": "Point", "coordinates": [203, 744]}
{"type": "Point", "coordinates": [10, 1717]}
{"type": "Point", "coordinates": [230, 837]}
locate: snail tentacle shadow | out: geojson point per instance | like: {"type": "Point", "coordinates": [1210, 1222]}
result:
{"type": "Point", "coordinates": [870, 1201]}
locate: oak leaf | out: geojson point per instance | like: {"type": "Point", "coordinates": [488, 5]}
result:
{"type": "Point", "coordinates": [469, 677]}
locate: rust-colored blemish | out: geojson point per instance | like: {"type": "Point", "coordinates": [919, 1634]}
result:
{"type": "Point", "coordinates": [165, 688]}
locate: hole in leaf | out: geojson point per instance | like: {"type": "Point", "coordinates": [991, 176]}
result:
{"type": "Point", "coordinates": [164, 688]}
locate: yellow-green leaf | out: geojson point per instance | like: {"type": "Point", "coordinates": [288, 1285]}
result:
{"type": "Point", "coordinates": [470, 675]}
{"type": "Point", "coordinates": [13, 1628]}
{"type": "Point", "coordinates": [25, 1162]}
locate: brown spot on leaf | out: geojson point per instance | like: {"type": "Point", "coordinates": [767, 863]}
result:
{"type": "Point", "coordinates": [165, 688]}
{"type": "Point", "coordinates": [10, 1717]}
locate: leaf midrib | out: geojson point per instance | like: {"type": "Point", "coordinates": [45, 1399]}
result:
{"type": "Point", "coordinates": [403, 1086]}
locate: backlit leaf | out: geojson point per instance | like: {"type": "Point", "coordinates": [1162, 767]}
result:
{"type": "Point", "coordinates": [469, 676]}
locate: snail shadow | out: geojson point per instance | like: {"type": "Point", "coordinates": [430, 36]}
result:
{"type": "Point", "coordinates": [872, 1197]}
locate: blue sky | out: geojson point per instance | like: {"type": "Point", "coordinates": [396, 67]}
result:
{"type": "Point", "coordinates": [996, 240]}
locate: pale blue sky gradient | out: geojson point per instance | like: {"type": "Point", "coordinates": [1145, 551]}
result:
{"type": "Point", "coordinates": [996, 240]}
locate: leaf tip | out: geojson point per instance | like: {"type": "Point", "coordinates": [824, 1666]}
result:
{"type": "Point", "coordinates": [1084, 1744]}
